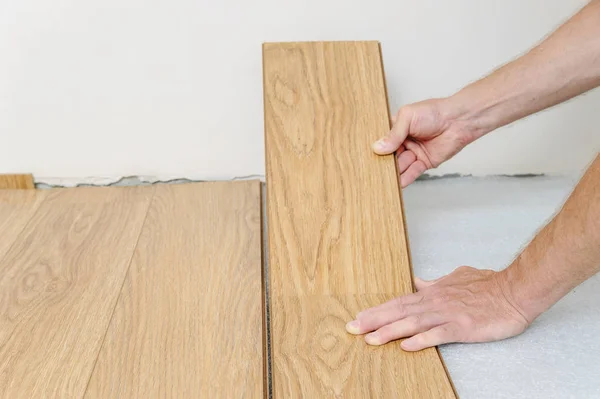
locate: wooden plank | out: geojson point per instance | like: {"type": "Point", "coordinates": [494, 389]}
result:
{"type": "Point", "coordinates": [337, 242]}
{"type": "Point", "coordinates": [59, 284]}
{"type": "Point", "coordinates": [188, 323]}
{"type": "Point", "coordinates": [16, 208]}
{"type": "Point", "coordinates": [16, 181]}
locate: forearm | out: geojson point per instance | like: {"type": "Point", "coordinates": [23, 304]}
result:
{"type": "Point", "coordinates": [564, 65]}
{"type": "Point", "coordinates": [564, 253]}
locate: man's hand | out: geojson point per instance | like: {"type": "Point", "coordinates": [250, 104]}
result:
{"type": "Point", "coordinates": [468, 305]}
{"type": "Point", "coordinates": [424, 135]}
{"type": "Point", "coordinates": [564, 65]}
{"type": "Point", "coordinates": [471, 305]}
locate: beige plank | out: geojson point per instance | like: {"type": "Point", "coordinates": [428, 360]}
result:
{"type": "Point", "coordinates": [59, 284]}
{"type": "Point", "coordinates": [24, 181]}
{"type": "Point", "coordinates": [188, 323]}
{"type": "Point", "coordinates": [16, 209]}
{"type": "Point", "coordinates": [337, 242]}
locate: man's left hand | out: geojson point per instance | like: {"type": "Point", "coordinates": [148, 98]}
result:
{"type": "Point", "coordinates": [468, 305]}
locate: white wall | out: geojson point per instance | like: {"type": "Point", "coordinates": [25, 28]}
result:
{"type": "Point", "coordinates": [161, 88]}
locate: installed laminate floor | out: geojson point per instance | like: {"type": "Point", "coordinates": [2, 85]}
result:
{"type": "Point", "coordinates": [131, 292]}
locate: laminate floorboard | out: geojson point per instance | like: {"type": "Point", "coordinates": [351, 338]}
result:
{"type": "Point", "coordinates": [16, 209]}
{"type": "Point", "coordinates": [16, 181]}
{"type": "Point", "coordinates": [337, 242]}
{"type": "Point", "coordinates": [59, 283]}
{"type": "Point", "coordinates": [188, 323]}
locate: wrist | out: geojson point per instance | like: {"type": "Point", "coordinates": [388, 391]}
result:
{"type": "Point", "coordinates": [520, 291]}
{"type": "Point", "coordinates": [531, 284]}
{"type": "Point", "coordinates": [467, 113]}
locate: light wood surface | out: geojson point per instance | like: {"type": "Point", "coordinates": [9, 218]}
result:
{"type": "Point", "coordinates": [59, 283]}
{"type": "Point", "coordinates": [16, 209]}
{"type": "Point", "coordinates": [188, 323]}
{"type": "Point", "coordinates": [337, 241]}
{"type": "Point", "coordinates": [16, 181]}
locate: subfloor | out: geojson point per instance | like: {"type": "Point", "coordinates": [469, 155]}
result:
{"type": "Point", "coordinates": [484, 223]}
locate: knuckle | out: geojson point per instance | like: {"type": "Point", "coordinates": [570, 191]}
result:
{"type": "Point", "coordinates": [367, 319]}
{"type": "Point", "coordinates": [449, 333]}
{"type": "Point", "coordinates": [489, 272]}
{"type": "Point", "coordinates": [397, 302]}
{"type": "Point", "coordinates": [402, 111]}
{"type": "Point", "coordinates": [389, 332]}
{"type": "Point", "coordinates": [370, 318]}
{"type": "Point", "coordinates": [464, 269]}
{"type": "Point", "coordinates": [444, 330]}
{"type": "Point", "coordinates": [405, 113]}
{"type": "Point", "coordinates": [420, 340]}
{"type": "Point", "coordinates": [399, 306]}
{"type": "Point", "coordinates": [442, 297]}
{"type": "Point", "coordinates": [458, 334]}
{"type": "Point", "coordinates": [415, 320]}
{"type": "Point", "coordinates": [466, 321]}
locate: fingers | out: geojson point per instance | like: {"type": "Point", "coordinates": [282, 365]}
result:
{"type": "Point", "coordinates": [405, 159]}
{"type": "Point", "coordinates": [374, 318]}
{"type": "Point", "coordinates": [394, 303]}
{"type": "Point", "coordinates": [403, 328]}
{"type": "Point", "coordinates": [443, 334]}
{"type": "Point", "coordinates": [392, 141]}
{"type": "Point", "coordinates": [415, 170]}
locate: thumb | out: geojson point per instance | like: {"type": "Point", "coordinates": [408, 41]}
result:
{"type": "Point", "coordinates": [394, 139]}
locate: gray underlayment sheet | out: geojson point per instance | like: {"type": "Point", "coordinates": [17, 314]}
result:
{"type": "Point", "coordinates": [484, 222]}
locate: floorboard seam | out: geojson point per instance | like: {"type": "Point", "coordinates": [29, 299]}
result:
{"type": "Point", "coordinates": [120, 291]}
{"type": "Point", "coordinates": [267, 326]}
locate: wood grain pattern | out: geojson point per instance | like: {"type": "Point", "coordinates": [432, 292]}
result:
{"type": "Point", "coordinates": [337, 242]}
{"type": "Point", "coordinates": [188, 323]}
{"type": "Point", "coordinates": [16, 209]}
{"type": "Point", "coordinates": [59, 284]}
{"type": "Point", "coordinates": [16, 182]}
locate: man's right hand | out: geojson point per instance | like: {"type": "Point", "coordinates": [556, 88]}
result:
{"type": "Point", "coordinates": [564, 65]}
{"type": "Point", "coordinates": [424, 135]}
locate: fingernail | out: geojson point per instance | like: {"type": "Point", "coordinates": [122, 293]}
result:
{"type": "Point", "coordinates": [373, 339]}
{"type": "Point", "coordinates": [353, 327]}
{"type": "Point", "coordinates": [379, 145]}
{"type": "Point", "coordinates": [406, 345]}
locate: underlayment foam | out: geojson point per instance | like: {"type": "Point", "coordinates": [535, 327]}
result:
{"type": "Point", "coordinates": [484, 223]}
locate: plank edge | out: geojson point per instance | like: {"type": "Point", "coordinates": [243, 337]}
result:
{"type": "Point", "coordinates": [408, 251]}
{"type": "Point", "coordinates": [120, 292]}
{"type": "Point", "coordinates": [267, 45]}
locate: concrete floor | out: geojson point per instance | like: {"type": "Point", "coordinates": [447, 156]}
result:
{"type": "Point", "coordinates": [484, 223]}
